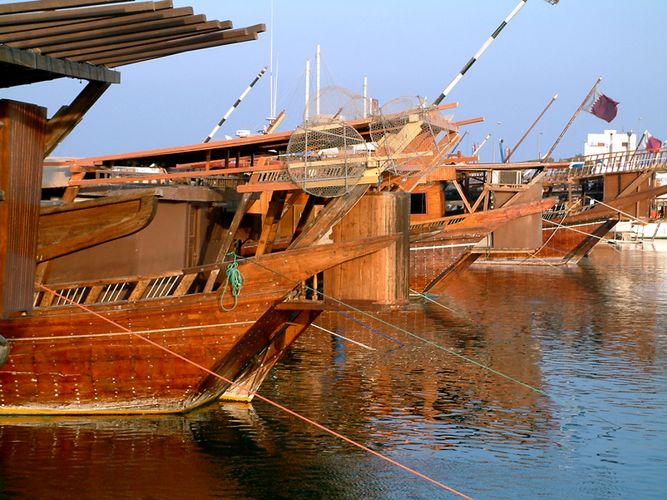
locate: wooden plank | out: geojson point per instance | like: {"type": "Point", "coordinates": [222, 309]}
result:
{"type": "Point", "coordinates": [331, 214]}
{"type": "Point", "coordinates": [462, 195]}
{"type": "Point", "coordinates": [59, 15]}
{"type": "Point", "coordinates": [53, 45]}
{"type": "Point", "coordinates": [135, 58]}
{"type": "Point", "coordinates": [271, 221]}
{"type": "Point", "coordinates": [35, 6]}
{"type": "Point", "coordinates": [228, 238]}
{"type": "Point", "coordinates": [68, 228]}
{"type": "Point", "coordinates": [177, 45]}
{"type": "Point", "coordinates": [52, 68]}
{"type": "Point", "coordinates": [88, 28]}
{"type": "Point", "coordinates": [137, 38]}
{"type": "Point", "coordinates": [21, 164]}
{"type": "Point", "coordinates": [68, 117]}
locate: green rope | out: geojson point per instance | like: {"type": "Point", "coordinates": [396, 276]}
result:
{"type": "Point", "coordinates": [234, 280]}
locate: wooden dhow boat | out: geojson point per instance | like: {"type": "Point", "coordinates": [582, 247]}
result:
{"type": "Point", "coordinates": [595, 195]}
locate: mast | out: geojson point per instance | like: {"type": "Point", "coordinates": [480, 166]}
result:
{"type": "Point", "coordinates": [317, 80]}
{"type": "Point", "coordinates": [553, 99]}
{"type": "Point", "coordinates": [365, 97]}
{"type": "Point", "coordinates": [306, 113]}
{"type": "Point", "coordinates": [482, 49]}
{"type": "Point", "coordinates": [574, 117]}
{"type": "Point", "coordinates": [235, 105]}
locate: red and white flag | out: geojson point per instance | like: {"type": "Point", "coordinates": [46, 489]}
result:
{"type": "Point", "coordinates": [602, 106]}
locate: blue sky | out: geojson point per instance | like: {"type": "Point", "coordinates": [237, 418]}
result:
{"type": "Point", "coordinates": [405, 49]}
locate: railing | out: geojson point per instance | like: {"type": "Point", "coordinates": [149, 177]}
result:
{"type": "Point", "coordinates": [424, 227]}
{"type": "Point", "coordinates": [134, 289]}
{"type": "Point", "coordinates": [596, 165]}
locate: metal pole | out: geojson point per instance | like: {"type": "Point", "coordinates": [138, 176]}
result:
{"type": "Point", "coordinates": [574, 117]}
{"type": "Point", "coordinates": [317, 80]}
{"type": "Point", "coordinates": [306, 113]}
{"type": "Point", "coordinates": [553, 99]}
{"type": "Point", "coordinates": [235, 105]}
{"type": "Point", "coordinates": [483, 48]}
{"type": "Point", "coordinates": [365, 96]}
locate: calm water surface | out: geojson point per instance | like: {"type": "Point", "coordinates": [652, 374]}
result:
{"type": "Point", "coordinates": [593, 337]}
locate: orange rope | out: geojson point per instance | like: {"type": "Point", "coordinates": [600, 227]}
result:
{"type": "Point", "coordinates": [262, 398]}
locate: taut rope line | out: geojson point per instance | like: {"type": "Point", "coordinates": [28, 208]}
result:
{"type": "Point", "coordinates": [260, 397]}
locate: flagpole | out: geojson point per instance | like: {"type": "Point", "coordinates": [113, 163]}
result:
{"type": "Point", "coordinates": [574, 117]}
{"type": "Point", "coordinates": [553, 99]}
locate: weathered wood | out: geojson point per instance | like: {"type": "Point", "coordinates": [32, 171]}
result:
{"type": "Point", "coordinates": [68, 117]}
{"type": "Point", "coordinates": [21, 155]}
{"type": "Point", "coordinates": [466, 203]}
{"type": "Point", "coordinates": [35, 6]}
{"type": "Point", "coordinates": [95, 30]}
{"type": "Point", "coordinates": [38, 67]}
{"type": "Point", "coordinates": [66, 14]}
{"type": "Point", "coordinates": [133, 56]}
{"type": "Point", "coordinates": [37, 32]}
{"type": "Point", "coordinates": [89, 48]}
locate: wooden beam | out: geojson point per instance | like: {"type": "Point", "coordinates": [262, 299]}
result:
{"type": "Point", "coordinates": [228, 238]}
{"type": "Point", "coordinates": [59, 15]}
{"type": "Point", "coordinates": [35, 6]}
{"type": "Point", "coordinates": [52, 67]}
{"type": "Point", "coordinates": [65, 33]}
{"type": "Point", "coordinates": [636, 182]}
{"type": "Point", "coordinates": [131, 59]}
{"type": "Point", "coordinates": [97, 36]}
{"type": "Point", "coordinates": [67, 117]}
{"type": "Point", "coordinates": [133, 39]}
{"type": "Point", "coordinates": [25, 29]}
{"type": "Point", "coordinates": [330, 215]}
{"type": "Point", "coordinates": [462, 195]}
{"type": "Point", "coordinates": [271, 222]}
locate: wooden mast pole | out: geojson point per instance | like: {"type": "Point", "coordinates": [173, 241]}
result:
{"type": "Point", "coordinates": [553, 99]}
{"type": "Point", "coordinates": [574, 117]}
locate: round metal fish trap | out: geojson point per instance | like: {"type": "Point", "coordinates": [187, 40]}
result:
{"type": "Point", "coordinates": [326, 158]}
{"type": "Point", "coordinates": [335, 103]}
{"type": "Point", "coordinates": [405, 136]}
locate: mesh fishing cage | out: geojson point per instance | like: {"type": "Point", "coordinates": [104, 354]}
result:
{"type": "Point", "coordinates": [405, 134]}
{"type": "Point", "coordinates": [326, 158]}
{"type": "Point", "coordinates": [335, 102]}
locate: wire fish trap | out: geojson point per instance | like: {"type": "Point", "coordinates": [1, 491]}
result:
{"type": "Point", "coordinates": [326, 158]}
{"type": "Point", "coordinates": [405, 134]}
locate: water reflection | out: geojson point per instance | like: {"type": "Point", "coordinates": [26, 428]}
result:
{"type": "Point", "coordinates": [592, 336]}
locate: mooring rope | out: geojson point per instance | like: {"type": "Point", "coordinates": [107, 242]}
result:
{"type": "Point", "coordinates": [234, 277]}
{"type": "Point", "coordinates": [442, 348]}
{"type": "Point", "coordinates": [260, 397]}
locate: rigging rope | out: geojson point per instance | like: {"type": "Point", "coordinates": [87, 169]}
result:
{"type": "Point", "coordinates": [259, 396]}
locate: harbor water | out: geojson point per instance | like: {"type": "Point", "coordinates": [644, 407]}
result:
{"type": "Point", "coordinates": [513, 382]}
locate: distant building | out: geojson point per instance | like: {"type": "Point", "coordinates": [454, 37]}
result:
{"type": "Point", "coordinates": [609, 141]}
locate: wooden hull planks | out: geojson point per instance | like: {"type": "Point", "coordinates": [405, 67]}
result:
{"type": "Point", "coordinates": [66, 360]}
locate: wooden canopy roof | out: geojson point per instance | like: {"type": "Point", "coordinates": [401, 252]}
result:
{"type": "Point", "coordinates": [47, 39]}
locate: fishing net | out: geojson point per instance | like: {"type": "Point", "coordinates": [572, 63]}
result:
{"type": "Point", "coordinates": [406, 133]}
{"type": "Point", "coordinates": [326, 158]}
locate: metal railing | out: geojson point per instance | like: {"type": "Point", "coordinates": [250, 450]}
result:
{"type": "Point", "coordinates": [601, 164]}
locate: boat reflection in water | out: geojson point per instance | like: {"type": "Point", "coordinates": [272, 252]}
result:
{"type": "Point", "coordinates": [592, 337]}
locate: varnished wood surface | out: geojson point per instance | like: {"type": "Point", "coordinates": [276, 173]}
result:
{"type": "Point", "coordinates": [67, 228]}
{"type": "Point", "coordinates": [66, 360]}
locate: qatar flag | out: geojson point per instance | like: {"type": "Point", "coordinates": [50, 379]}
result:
{"type": "Point", "coordinates": [603, 107]}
